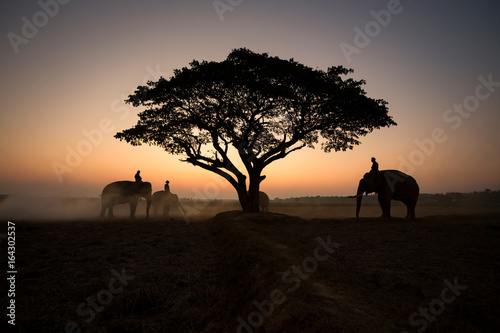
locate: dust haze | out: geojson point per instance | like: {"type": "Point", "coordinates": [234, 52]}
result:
{"type": "Point", "coordinates": [19, 207]}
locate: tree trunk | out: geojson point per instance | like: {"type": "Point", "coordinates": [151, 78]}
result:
{"type": "Point", "coordinates": [241, 189]}
{"type": "Point", "coordinates": [249, 200]}
{"type": "Point", "coordinates": [253, 190]}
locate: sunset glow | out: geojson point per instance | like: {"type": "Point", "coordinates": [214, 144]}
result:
{"type": "Point", "coordinates": [63, 91]}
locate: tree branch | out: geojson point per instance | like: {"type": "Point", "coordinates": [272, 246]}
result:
{"type": "Point", "coordinates": [214, 169]}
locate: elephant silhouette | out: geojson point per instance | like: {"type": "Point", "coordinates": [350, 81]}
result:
{"type": "Point", "coordinates": [122, 192]}
{"type": "Point", "coordinates": [263, 201]}
{"type": "Point", "coordinates": [165, 199]}
{"type": "Point", "coordinates": [389, 185]}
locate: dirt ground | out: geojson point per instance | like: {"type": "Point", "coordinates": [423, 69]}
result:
{"type": "Point", "coordinates": [312, 270]}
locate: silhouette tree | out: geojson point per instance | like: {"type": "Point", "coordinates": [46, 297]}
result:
{"type": "Point", "coordinates": [249, 111]}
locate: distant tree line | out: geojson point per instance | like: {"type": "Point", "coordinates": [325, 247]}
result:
{"type": "Point", "coordinates": [487, 197]}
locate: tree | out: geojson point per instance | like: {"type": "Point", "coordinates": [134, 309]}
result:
{"type": "Point", "coordinates": [259, 107]}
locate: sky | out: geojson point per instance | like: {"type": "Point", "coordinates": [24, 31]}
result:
{"type": "Point", "coordinates": [67, 66]}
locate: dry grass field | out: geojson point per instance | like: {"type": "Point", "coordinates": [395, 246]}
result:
{"type": "Point", "coordinates": [302, 267]}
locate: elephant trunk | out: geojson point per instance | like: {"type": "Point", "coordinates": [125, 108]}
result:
{"type": "Point", "coordinates": [359, 197]}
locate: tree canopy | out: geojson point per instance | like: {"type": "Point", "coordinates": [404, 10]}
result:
{"type": "Point", "coordinates": [261, 107]}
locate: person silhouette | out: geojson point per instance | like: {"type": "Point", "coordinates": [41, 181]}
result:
{"type": "Point", "coordinates": [138, 177]}
{"type": "Point", "coordinates": [374, 166]}
{"type": "Point", "coordinates": [167, 187]}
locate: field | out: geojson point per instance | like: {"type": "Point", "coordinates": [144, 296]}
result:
{"type": "Point", "coordinates": [302, 267]}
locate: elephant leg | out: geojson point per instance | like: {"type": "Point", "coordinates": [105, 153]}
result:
{"type": "Point", "coordinates": [385, 204]}
{"type": "Point", "coordinates": [381, 203]}
{"type": "Point", "coordinates": [388, 209]}
{"type": "Point", "coordinates": [103, 211]}
{"type": "Point", "coordinates": [110, 211]}
{"type": "Point", "coordinates": [133, 206]}
{"type": "Point", "coordinates": [166, 210]}
{"type": "Point", "coordinates": [408, 210]}
{"type": "Point", "coordinates": [412, 210]}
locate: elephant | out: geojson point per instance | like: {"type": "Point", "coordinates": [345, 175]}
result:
{"type": "Point", "coordinates": [390, 185]}
{"type": "Point", "coordinates": [165, 199]}
{"type": "Point", "coordinates": [263, 201]}
{"type": "Point", "coordinates": [125, 191]}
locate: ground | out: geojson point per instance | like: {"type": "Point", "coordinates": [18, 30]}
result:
{"type": "Point", "coordinates": [311, 270]}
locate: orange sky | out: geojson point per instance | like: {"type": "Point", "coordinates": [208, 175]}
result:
{"type": "Point", "coordinates": [65, 88]}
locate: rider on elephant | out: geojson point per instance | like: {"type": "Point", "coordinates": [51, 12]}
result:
{"type": "Point", "coordinates": [167, 187]}
{"type": "Point", "coordinates": [374, 166]}
{"type": "Point", "coordinates": [138, 177]}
